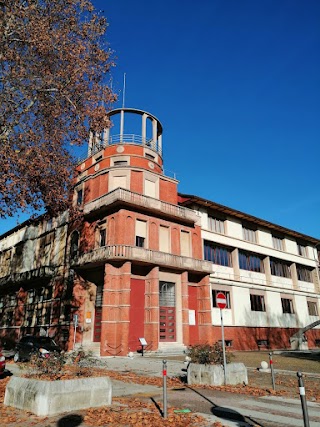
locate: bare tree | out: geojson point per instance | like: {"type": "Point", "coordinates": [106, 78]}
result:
{"type": "Point", "coordinates": [54, 64]}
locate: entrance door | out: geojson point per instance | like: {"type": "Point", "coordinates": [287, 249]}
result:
{"type": "Point", "coordinates": [167, 310]}
{"type": "Point", "coordinates": [98, 315]}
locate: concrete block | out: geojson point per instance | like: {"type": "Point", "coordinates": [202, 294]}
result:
{"type": "Point", "coordinates": [214, 374]}
{"type": "Point", "coordinates": [45, 398]}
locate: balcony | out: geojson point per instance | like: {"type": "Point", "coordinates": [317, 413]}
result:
{"type": "Point", "coordinates": [144, 256]}
{"type": "Point", "coordinates": [150, 204]}
{"type": "Point", "coordinates": [44, 272]}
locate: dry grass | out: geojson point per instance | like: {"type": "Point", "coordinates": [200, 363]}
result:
{"type": "Point", "coordinates": [304, 362]}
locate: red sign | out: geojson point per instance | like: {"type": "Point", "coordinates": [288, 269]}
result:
{"type": "Point", "coordinates": [221, 300]}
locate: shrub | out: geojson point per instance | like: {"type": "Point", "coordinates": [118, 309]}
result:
{"type": "Point", "coordinates": [51, 367]}
{"type": "Point", "coordinates": [82, 360]}
{"type": "Point", "coordinates": [207, 354]}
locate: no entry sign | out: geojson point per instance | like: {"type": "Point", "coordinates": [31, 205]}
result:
{"type": "Point", "coordinates": [221, 300]}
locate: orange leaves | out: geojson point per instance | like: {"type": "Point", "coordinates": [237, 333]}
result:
{"type": "Point", "coordinates": [54, 60]}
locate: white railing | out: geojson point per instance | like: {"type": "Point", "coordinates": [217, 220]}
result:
{"type": "Point", "coordinates": [145, 255]}
{"type": "Point", "coordinates": [141, 200]}
{"type": "Point", "coordinates": [122, 139]}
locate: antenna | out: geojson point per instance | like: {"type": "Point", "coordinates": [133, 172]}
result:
{"type": "Point", "coordinates": [124, 89]}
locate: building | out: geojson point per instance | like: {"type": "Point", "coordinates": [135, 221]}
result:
{"type": "Point", "coordinates": [145, 262]}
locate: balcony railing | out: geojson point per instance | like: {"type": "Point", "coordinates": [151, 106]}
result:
{"type": "Point", "coordinates": [147, 256]}
{"type": "Point", "coordinates": [140, 200]}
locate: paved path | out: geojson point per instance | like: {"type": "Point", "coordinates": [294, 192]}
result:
{"type": "Point", "coordinates": [232, 410]}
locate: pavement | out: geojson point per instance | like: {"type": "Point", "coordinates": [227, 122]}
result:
{"type": "Point", "coordinates": [231, 410]}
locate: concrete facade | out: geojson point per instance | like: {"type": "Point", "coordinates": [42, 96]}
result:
{"type": "Point", "coordinates": [143, 261]}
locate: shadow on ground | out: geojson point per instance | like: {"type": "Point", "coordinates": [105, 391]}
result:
{"type": "Point", "coordinates": [307, 355]}
{"type": "Point", "coordinates": [72, 420]}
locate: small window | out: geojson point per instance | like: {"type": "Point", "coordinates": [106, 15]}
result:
{"type": "Point", "coordinates": [74, 244]}
{"type": "Point", "coordinates": [312, 308]}
{"type": "Point", "coordinates": [228, 343]}
{"type": "Point", "coordinates": [277, 243]}
{"type": "Point", "coordinates": [263, 343]}
{"type": "Point", "coordinates": [120, 163]}
{"type": "Point", "coordinates": [287, 305]}
{"type": "Point", "coordinates": [97, 159]}
{"type": "Point", "coordinates": [302, 250]}
{"type": "Point", "coordinates": [79, 197]}
{"type": "Point", "coordinates": [150, 156]}
{"type": "Point", "coordinates": [257, 302]}
{"type": "Point", "coordinates": [249, 234]}
{"type": "Point", "coordinates": [140, 241]}
{"type": "Point", "coordinates": [216, 224]}
{"type": "Point", "coordinates": [214, 298]}
{"type": "Point", "coordinates": [102, 239]}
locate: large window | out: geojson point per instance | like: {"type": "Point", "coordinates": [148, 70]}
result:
{"type": "Point", "coordinates": [257, 302]}
{"type": "Point", "coordinates": [312, 308]}
{"type": "Point", "coordinates": [287, 305]}
{"type": "Point", "coordinates": [277, 243]}
{"type": "Point", "coordinates": [216, 224]}
{"type": "Point", "coordinates": [280, 268]}
{"type": "Point", "coordinates": [249, 234]}
{"type": "Point", "coordinates": [217, 254]}
{"type": "Point", "coordinates": [304, 274]}
{"type": "Point", "coordinates": [251, 262]}
{"type": "Point", "coordinates": [214, 298]}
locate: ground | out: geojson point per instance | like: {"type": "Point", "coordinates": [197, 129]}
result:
{"type": "Point", "coordinates": [146, 410]}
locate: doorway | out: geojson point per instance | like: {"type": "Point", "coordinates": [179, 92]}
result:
{"type": "Point", "coordinates": [167, 312]}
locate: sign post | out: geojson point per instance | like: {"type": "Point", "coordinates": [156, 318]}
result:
{"type": "Point", "coordinates": [221, 302]}
{"type": "Point", "coordinates": [75, 324]}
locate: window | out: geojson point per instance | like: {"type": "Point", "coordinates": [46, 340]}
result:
{"type": "Point", "coordinates": [185, 243]}
{"type": "Point", "coordinates": [251, 262]}
{"type": "Point", "coordinates": [263, 343]}
{"type": "Point", "coordinates": [302, 250]}
{"type": "Point", "coordinates": [280, 268]}
{"type": "Point", "coordinates": [150, 156]}
{"type": "Point", "coordinates": [216, 224]}
{"type": "Point", "coordinates": [140, 241]}
{"type": "Point", "coordinates": [277, 243]}
{"type": "Point", "coordinates": [227, 343]}
{"type": "Point", "coordinates": [214, 298]}
{"type": "Point", "coordinates": [312, 308]}
{"type": "Point", "coordinates": [150, 188]}
{"type": "Point", "coordinates": [141, 233]}
{"type": "Point", "coordinates": [304, 274]}
{"type": "Point", "coordinates": [164, 239]}
{"type": "Point", "coordinates": [257, 302]}
{"type": "Point", "coordinates": [217, 254]}
{"type": "Point", "coordinates": [74, 245]}
{"type": "Point", "coordinates": [102, 237]}
{"type": "Point", "coordinates": [287, 305]}
{"type": "Point", "coordinates": [120, 163]}
{"type": "Point", "coordinates": [79, 197]}
{"type": "Point", "coordinates": [249, 234]}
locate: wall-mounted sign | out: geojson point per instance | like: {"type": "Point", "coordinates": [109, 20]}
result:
{"type": "Point", "coordinates": [192, 317]}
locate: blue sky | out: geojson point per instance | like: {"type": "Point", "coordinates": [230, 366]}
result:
{"type": "Point", "coordinates": [236, 86]}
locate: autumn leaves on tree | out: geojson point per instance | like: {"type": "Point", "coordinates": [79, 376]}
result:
{"type": "Point", "coordinates": [54, 87]}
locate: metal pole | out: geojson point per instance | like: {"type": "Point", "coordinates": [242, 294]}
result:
{"type": "Point", "coordinates": [164, 373]}
{"type": "Point", "coordinates": [303, 400]}
{"type": "Point", "coordinates": [74, 336]}
{"type": "Point", "coordinates": [224, 350]}
{"type": "Point", "coordinates": [272, 371]}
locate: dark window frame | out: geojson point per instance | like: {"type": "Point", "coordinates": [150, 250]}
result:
{"type": "Point", "coordinates": [257, 303]}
